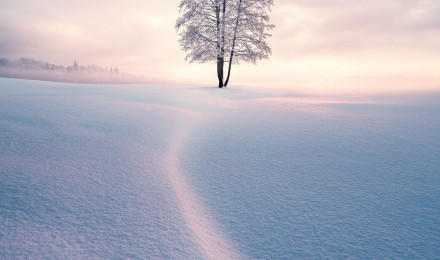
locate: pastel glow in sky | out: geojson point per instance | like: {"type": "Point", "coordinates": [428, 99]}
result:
{"type": "Point", "coordinates": [318, 45]}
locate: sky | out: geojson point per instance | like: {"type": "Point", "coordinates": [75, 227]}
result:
{"type": "Point", "coordinates": [321, 46]}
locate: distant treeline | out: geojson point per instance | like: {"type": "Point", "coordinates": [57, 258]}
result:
{"type": "Point", "coordinates": [26, 68]}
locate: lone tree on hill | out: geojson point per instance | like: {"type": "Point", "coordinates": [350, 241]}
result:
{"type": "Point", "coordinates": [224, 31]}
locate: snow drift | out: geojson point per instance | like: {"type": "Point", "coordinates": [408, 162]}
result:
{"type": "Point", "coordinates": [184, 172]}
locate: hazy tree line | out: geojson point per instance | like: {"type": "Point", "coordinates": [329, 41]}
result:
{"type": "Point", "coordinates": [26, 68]}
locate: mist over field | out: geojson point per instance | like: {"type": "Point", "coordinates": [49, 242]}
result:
{"type": "Point", "coordinates": [25, 68]}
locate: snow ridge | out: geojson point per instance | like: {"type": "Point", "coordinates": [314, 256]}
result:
{"type": "Point", "coordinates": [206, 231]}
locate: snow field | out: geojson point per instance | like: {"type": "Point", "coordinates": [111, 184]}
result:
{"type": "Point", "coordinates": [184, 172]}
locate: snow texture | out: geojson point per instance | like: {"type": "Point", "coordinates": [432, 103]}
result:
{"type": "Point", "coordinates": [184, 172]}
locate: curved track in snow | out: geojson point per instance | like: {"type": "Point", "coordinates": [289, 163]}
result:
{"type": "Point", "coordinates": [206, 231]}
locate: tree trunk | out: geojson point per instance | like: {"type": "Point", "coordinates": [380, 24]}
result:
{"type": "Point", "coordinates": [220, 55]}
{"type": "Point", "coordinates": [220, 65]}
{"type": "Point", "coordinates": [229, 68]}
{"type": "Point", "coordinates": [233, 44]}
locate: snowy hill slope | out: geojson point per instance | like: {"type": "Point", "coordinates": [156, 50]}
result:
{"type": "Point", "coordinates": [184, 172]}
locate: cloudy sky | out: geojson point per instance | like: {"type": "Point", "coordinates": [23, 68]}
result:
{"type": "Point", "coordinates": [318, 45]}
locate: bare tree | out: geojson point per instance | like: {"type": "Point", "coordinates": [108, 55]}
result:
{"type": "Point", "coordinates": [212, 30]}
